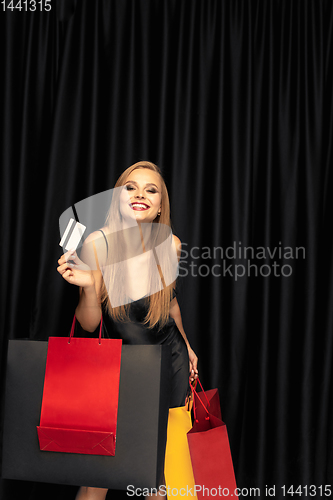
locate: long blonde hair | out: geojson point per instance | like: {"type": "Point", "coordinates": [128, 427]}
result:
{"type": "Point", "coordinates": [159, 302]}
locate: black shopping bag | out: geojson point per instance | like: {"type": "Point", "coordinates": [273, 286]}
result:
{"type": "Point", "coordinates": [144, 395]}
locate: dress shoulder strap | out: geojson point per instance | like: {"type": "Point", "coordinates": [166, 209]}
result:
{"type": "Point", "coordinates": [106, 241]}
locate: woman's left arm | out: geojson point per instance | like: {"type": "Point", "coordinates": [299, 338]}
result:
{"type": "Point", "coordinates": [176, 315]}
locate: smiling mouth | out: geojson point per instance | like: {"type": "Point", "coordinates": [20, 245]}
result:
{"type": "Point", "coordinates": [139, 206]}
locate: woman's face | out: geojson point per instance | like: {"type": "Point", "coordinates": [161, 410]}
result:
{"type": "Point", "coordinates": [144, 195]}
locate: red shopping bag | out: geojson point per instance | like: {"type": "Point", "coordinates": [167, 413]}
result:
{"type": "Point", "coordinates": [211, 400]}
{"type": "Point", "coordinates": [209, 448]}
{"type": "Point", "coordinates": [80, 396]}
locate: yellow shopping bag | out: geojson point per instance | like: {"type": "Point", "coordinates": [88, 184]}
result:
{"type": "Point", "coordinates": [178, 467]}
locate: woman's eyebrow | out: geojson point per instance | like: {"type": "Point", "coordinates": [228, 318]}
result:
{"type": "Point", "coordinates": [148, 183]}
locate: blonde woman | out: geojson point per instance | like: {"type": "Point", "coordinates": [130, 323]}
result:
{"type": "Point", "coordinates": [120, 273]}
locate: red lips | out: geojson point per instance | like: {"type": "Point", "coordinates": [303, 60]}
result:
{"type": "Point", "coordinates": [139, 206]}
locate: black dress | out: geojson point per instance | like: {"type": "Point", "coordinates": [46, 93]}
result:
{"type": "Point", "coordinates": [135, 332]}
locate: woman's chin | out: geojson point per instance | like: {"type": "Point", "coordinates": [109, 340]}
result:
{"type": "Point", "coordinates": [141, 216]}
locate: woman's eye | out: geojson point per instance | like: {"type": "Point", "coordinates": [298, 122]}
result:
{"type": "Point", "coordinates": [152, 191]}
{"type": "Point", "coordinates": [129, 188]}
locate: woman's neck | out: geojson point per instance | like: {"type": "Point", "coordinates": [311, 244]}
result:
{"type": "Point", "coordinates": [136, 239]}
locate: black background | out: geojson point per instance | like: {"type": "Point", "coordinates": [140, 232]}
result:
{"type": "Point", "coordinates": [233, 100]}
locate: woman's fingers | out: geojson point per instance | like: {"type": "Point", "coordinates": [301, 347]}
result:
{"type": "Point", "coordinates": [78, 263]}
{"type": "Point", "coordinates": [71, 260]}
{"type": "Point", "coordinates": [67, 274]}
{"type": "Point", "coordinates": [193, 364]}
{"type": "Point", "coordinates": [73, 270]}
{"type": "Point", "coordinates": [61, 269]}
{"type": "Point", "coordinates": [192, 372]}
{"type": "Point", "coordinates": [70, 255]}
{"type": "Point", "coordinates": [67, 265]}
{"type": "Point", "coordinates": [67, 262]}
{"type": "Point", "coordinates": [74, 258]}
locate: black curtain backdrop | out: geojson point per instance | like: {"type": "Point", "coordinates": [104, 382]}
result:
{"type": "Point", "coordinates": [233, 100]}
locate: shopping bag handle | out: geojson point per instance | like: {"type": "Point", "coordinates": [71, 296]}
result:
{"type": "Point", "coordinates": [198, 380]}
{"type": "Point", "coordinates": [194, 409]}
{"type": "Point", "coordinates": [71, 335]}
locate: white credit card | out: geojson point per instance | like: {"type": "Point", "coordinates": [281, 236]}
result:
{"type": "Point", "coordinates": [72, 236]}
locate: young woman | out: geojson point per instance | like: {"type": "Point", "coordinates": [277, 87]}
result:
{"type": "Point", "coordinates": [118, 264]}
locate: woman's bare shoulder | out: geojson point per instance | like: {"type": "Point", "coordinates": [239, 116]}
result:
{"type": "Point", "coordinates": [178, 245]}
{"type": "Point", "coordinates": [96, 235]}
{"type": "Point", "coordinates": [176, 240]}
{"type": "Point", "coordinates": [95, 240]}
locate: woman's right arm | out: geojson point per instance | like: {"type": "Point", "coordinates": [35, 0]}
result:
{"type": "Point", "coordinates": [85, 273]}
